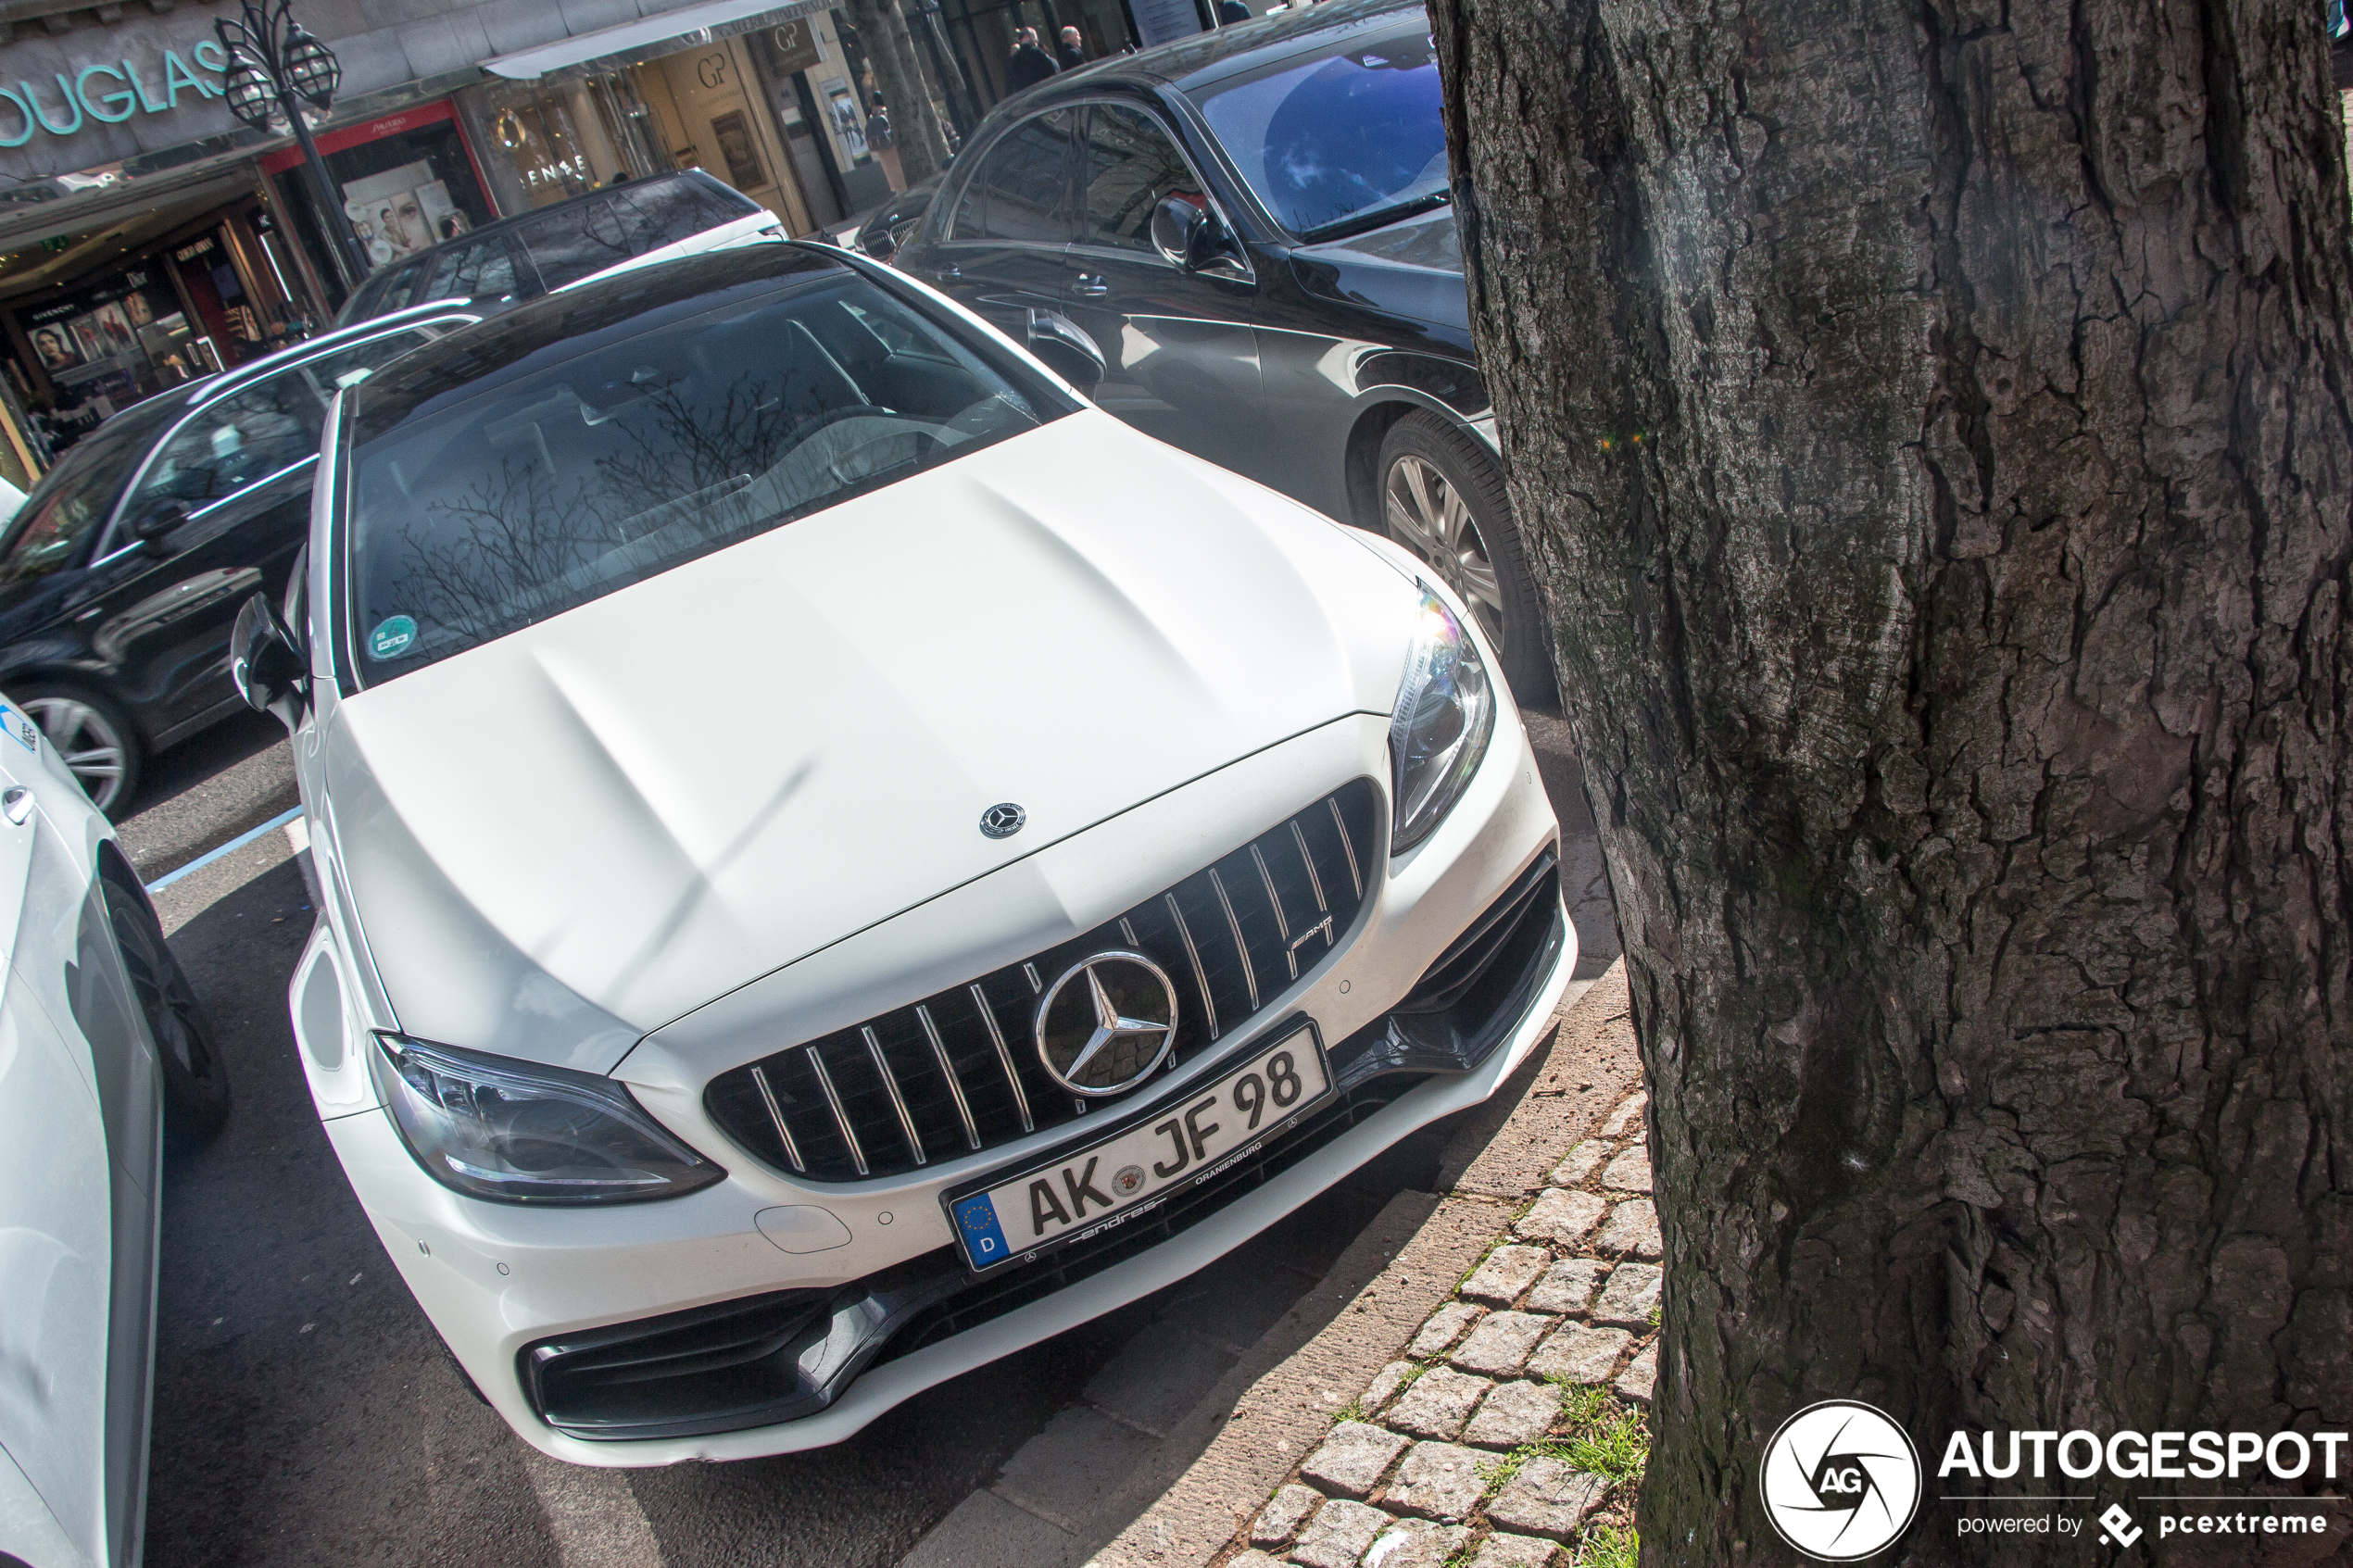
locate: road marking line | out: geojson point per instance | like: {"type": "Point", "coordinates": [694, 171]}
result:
{"type": "Point", "coordinates": [229, 848]}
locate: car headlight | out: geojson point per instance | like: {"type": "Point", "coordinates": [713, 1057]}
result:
{"type": "Point", "coordinates": [1438, 731]}
{"type": "Point", "coordinates": [518, 1133]}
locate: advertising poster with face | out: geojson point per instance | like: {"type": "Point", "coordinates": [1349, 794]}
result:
{"type": "Point", "coordinates": [110, 324]}
{"type": "Point", "coordinates": [443, 221]}
{"type": "Point", "coordinates": [56, 347]}
{"type": "Point", "coordinates": [386, 210]}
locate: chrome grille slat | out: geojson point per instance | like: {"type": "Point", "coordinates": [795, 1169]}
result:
{"type": "Point", "coordinates": [1356, 876]}
{"type": "Point", "coordinates": [1249, 973]}
{"type": "Point", "coordinates": [898, 1100]}
{"type": "Point", "coordinates": [1314, 882]}
{"type": "Point", "coordinates": [946, 1086]}
{"type": "Point", "coordinates": [777, 1119]}
{"type": "Point", "coordinates": [1005, 1057]}
{"type": "Point", "coordinates": [841, 1117]}
{"type": "Point", "coordinates": [1201, 978]}
{"type": "Point", "coordinates": [947, 1071]}
{"type": "Point", "coordinates": [1274, 899]}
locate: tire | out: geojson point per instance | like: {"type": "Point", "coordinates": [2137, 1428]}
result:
{"type": "Point", "coordinates": [195, 1081]}
{"type": "Point", "coordinates": [1441, 496]}
{"type": "Point", "coordinates": [93, 737]}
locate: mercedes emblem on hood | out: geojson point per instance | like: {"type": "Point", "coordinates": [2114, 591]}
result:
{"type": "Point", "coordinates": [1002, 819]}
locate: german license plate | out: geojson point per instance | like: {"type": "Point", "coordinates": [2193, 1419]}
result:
{"type": "Point", "coordinates": [1132, 1170]}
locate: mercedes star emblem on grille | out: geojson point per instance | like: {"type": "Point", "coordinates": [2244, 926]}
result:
{"type": "Point", "coordinates": [1106, 1035]}
{"type": "Point", "coordinates": [1002, 819]}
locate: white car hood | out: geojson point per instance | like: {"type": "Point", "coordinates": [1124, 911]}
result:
{"type": "Point", "coordinates": [559, 841]}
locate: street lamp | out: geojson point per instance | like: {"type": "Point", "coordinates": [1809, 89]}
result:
{"type": "Point", "coordinates": [273, 60]}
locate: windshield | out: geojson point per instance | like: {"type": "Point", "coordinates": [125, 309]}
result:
{"type": "Point", "coordinates": [1340, 139]}
{"type": "Point", "coordinates": [78, 494]}
{"type": "Point", "coordinates": [475, 516]}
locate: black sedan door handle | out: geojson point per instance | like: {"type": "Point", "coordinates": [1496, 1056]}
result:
{"type": "Point", "coordinates": [1091, 287]}
{"type": "Point", "coordinates": [949, 273]}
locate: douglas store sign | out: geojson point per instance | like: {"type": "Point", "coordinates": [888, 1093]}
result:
{"type": "Point", "coordinates": [108, 93]}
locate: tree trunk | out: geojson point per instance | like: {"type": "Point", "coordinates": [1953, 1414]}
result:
{"type": "Point", "coordinates": [1930, 424]}
{"type": "Point", "coordinates": [899, 72]}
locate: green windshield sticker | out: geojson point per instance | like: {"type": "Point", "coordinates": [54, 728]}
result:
{"type": "Point", "coordinates": [392, 638]}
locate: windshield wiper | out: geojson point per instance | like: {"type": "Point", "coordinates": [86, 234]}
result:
{"type": "Point", "coordinates": [1375, 218]}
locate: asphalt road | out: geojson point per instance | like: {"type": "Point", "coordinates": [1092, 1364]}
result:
{"type": "Point", "coordinates": [305, 1411]}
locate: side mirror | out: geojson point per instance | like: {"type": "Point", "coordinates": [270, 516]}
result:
{"type": "Point", "coordinates": [1066, 349]}
{"type": "Point", "coordinates": [1178, 228]}
{"type": "Point", "coordinates": [159, 521]}
{"type": "Point", "coordinates": [268, 663]}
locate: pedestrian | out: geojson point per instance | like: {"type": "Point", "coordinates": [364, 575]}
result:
{"type": "Point", "coordinates": [884, 146]}
{"type": "Point", "coordinates": [1030, 65]}
{"type": "Point", "coordinates": [1070, 57]}
{"type": "Point", "coordinates": [1231, 11]}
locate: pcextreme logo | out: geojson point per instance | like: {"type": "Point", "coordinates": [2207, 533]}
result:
{"type": "Point", "coordinates": [1841, 1480]}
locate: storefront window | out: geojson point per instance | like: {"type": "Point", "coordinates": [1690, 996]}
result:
{"type": "Point", "coordinates": [405, 181]}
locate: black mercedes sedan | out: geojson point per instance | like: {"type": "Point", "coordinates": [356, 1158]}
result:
{"type": "Point", "coordinates": [1252, 226]}
{"type": "Point", "coordinates": [121, 574]}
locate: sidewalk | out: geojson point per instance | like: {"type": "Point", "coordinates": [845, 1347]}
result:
{"type": "Point", "coordinates": [1500, 1421]}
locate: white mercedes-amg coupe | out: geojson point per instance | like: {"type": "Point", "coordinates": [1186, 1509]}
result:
{"type": "Point", "coordinates": [841, 860]}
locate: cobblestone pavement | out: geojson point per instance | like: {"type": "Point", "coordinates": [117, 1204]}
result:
{"type": "Point", "coordinates": [1512, 1434]}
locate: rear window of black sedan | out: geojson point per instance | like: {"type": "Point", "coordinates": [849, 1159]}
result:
{"type": "Point", "coordinates": [596, 460]}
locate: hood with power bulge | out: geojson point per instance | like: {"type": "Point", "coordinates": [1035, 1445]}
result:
{"type": "Point", "coordinates": [564, 838]}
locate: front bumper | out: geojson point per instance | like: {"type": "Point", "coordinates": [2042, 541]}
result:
{"type": "Point", "coordinates": [498, 1280]}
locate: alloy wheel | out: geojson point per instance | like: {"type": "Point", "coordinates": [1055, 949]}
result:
{"type": "Point", "coordinates": [1429, 517]}
{"type": "Point", "coordinates": [87, 742]}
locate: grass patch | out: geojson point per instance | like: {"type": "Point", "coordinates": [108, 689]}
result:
{"type": "Point", "coordinates": [1600, 1434]}
{"type": "Point", "coordinates": [1352, 1411]}
{"type": "Point", "coordinates": [1608, 1547]}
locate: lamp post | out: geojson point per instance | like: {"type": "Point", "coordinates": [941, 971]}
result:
{"type": "Point", "coordinates": [274, 62]}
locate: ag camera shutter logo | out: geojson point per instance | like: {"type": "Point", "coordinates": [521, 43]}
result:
{"type": "Point", "coordinates": [1842, 1481]}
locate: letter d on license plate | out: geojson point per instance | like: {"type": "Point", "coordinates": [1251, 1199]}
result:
{"type": "Point", "coordinates": [1182, 1141]}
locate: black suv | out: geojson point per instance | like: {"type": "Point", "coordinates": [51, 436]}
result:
{"type": "Point", "coordinates": [1252, 226]}
{"type": "Point", "coordinates": [121, 574]}
{"type": "Point", "coordinates": [555, 246]}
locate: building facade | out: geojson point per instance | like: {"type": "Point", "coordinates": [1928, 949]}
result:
{"type": "Point", "coordinates": [147, 237]}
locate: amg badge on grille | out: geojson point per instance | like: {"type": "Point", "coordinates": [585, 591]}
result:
{"type": "Point", "coordinates": [1002, 819]}
{"type": "Point", "coordinates": [1105, 1034]}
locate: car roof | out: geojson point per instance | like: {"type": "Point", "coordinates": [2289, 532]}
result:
{"type": "Point", "coordinates": [517, 219]}
{"type": "Point", "coordinates": [325, 342]}
{"type": "Point", "coordinates": [1196, 62]}
{"type": "Point", "coordinates": [557, 327]}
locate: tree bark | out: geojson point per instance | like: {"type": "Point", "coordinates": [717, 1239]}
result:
{"type": "Point", "coordinates": [1931, 424]}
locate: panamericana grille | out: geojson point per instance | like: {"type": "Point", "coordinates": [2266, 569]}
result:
{"type": "Point", "coordinates": [959, 1072]}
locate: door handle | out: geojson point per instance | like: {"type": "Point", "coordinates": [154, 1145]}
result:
{"type": "Point", "coordinates": [16, 804]}
{"type": "Point", "coordinates": [1093, 287]}
{"type": "Point", "coordinates": [949, 273]}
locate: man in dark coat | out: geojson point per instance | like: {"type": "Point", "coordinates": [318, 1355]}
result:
{"type": "Point", "coordinates": [1030, 65]}
{"type": "Point", "coordinates": [1231, 11]}
{"type": "Point", "coordinates": [1070, 57]}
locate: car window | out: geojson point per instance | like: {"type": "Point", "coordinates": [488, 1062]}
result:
{"type": "Point", "coordinates": [1131, 168]}
{"type": "Point", "coordinates": [348, 367]}
{"type": "Point", "coordinates": [78, 494]}
{"type": "Point", "coordinates": [471, 517]}
{"type": "Point", "coordinates": [238, 440]}
{"type": "Point", "coordinates": [675, 209]}
{"type": "Point", "coordinates": [463, 271]}
{"type": "Point", "coordinates": [1340, 137]}
{"type": "Point", "coordinates": [576, 241]}
{"type": "Point", "coordinates": [1021, 191]}
{"type": "Point", "coordinates": [396, 291]}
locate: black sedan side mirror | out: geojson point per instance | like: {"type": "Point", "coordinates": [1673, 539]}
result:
{"type": "Point", "coordinates": [1191, 237]}
{"type": "Point", "coordinates": [268, 663]}
{"type": "Point", "coordinates": [1066, 349]}
{"type": "Point", "coordinates": [159, 521]}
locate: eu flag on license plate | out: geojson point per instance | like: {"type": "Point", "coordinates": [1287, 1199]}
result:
{"type": "Point", "coordinates": [983, 1239]}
